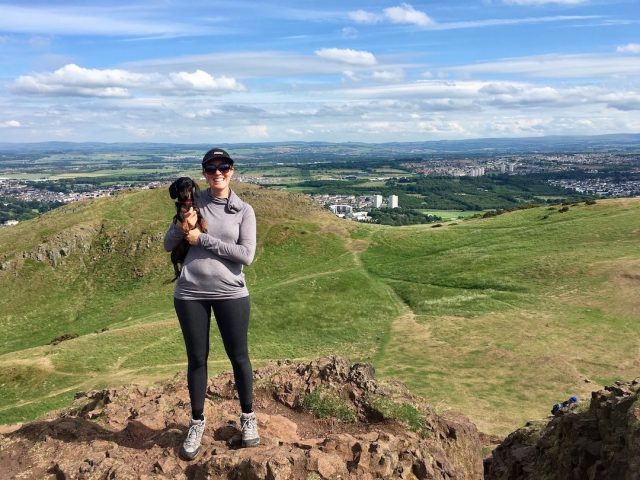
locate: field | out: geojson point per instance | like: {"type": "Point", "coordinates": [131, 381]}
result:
{"type": "Point", "coordinates": [498, 317]}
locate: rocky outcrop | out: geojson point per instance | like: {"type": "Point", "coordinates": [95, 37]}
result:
{"type": "Point", "coordinates": [53, 250]}
{"type": "Point", "coordinates": [136, 432]}
{"type": "Point", "coordinates": [601, 442]}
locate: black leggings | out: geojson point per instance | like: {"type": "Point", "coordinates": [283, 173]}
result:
{"type": "Point", "coordinates": [232, 317]}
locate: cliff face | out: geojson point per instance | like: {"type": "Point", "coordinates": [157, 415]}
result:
{"type": "Point", "coordinates": [602, 442]}
{"type": "Point", "coordinates": [370, 430]}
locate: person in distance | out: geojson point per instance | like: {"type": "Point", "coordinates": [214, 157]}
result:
{"type": "Point", "coordinates": [212, 280]}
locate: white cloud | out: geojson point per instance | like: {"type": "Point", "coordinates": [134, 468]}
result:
{"type": "Point", "coordinates": [388, 75]}
{"type": "Point", "coordinates": [558, 66]}
{"type": "Point", "coordinates": [257, 131]}
{"type": "Point", "coordinates": [362, 16]}
{"type": "Point", "coordinates": [544, 2]}
{"type": "Point", "coordinates": [201, 81]}
{"type": "Point", "coordinates": [440, 126]}
{"type": "Point", "coordinates": [11, 124]}
{"type": "Point", "coordinates": [73, 80]}
{"type": "Point", "coordinates": [405, 13]}
{"type": "Point", "coordinates": [46, 20]}
{"type": "Point", "coordinates": [347, 55]}
{"type": "Point", "coordinates": [628, 48]}
{"type": "Point", "coordinates": [351, 75]}
{"type": "Point", "coordinates": [495, 22]}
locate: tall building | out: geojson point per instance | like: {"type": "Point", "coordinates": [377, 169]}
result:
{"type": "Point", "coordinates": [377, 201]}
{"type": "Point", "coordinates": [392, 201]}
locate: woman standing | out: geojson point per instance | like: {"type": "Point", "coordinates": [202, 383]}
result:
{"type": "Point", "coordinates": [212, 280]}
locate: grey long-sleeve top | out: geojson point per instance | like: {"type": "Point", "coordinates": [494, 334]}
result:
{"type": "Point", "coordinates": [213, 267]}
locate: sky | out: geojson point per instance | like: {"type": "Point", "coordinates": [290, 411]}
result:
{"type": "Point", "coordinates": [212, 72]}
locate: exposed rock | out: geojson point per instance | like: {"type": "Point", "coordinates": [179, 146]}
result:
{"type": "Point", "coordinates": [602, 442]}
{"type": "Point", "coordinates": [61, 245]}
{"type": "Point", "coordinates": [135, 432]}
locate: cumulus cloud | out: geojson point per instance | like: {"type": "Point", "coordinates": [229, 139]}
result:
{"type": "Point", "coordinates": [362, 16]}
{"type": "Point", "coordinates": [347, 55]}
{"type": "Point", "coordinates": [11, 124]}
{"type": "Point", "coordinates": [201, 81]}
{"type": "Point", "coordinates": [628, 48]}
{"type": "Point", "coordinates": [405, 13]}
{"type": "Point", "coordinates": [73, 80]}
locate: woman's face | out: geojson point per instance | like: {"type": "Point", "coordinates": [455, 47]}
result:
{"type": "Point", "coordinates": [217, 180]}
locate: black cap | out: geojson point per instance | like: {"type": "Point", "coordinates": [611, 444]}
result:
{"type": "Point", "coordinates": [216, 154]}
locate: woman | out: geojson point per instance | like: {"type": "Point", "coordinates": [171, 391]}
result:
{"type": "Point", "coordinates": [212, 279]}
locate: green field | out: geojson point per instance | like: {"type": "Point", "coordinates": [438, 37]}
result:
{"type": "Point", "coordinates": [450, 214]}
{"type": "Point", "coordinates": [498, 317]}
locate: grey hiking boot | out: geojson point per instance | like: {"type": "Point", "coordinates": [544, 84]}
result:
{"type": "Point", "coordinates": [249, 429]}
{"type": "Point", "coordinates": [191, 444]}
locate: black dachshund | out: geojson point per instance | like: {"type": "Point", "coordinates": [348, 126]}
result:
{"type": "Point", "coordinates": [184, 190]}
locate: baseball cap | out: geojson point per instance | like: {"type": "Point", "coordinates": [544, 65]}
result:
{"type": "Point", "coordinates": [216, 154]}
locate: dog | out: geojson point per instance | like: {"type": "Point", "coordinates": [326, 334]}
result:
{"type": "Point", "coordinates": [184, 190]}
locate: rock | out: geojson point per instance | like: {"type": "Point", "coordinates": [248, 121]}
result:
{"type": "Point", "coordinates": [602, 442]}
{"type": "Point", "coordinates": [136, 432]}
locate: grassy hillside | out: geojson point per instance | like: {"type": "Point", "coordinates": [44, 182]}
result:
{"type": "Point", "coordinates": [503, 317]}
{"type": "Point", "coordinates": [310, 297]}
{"type": "Point", "coordinates": [498, 317]}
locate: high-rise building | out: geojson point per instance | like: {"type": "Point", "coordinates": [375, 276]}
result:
{"type": "Point", "coordinates": [377, 201]}
{"type": "Point", "coordinates": [392, 201]}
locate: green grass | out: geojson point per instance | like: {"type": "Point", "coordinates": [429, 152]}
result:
{"type": "Point", "coordinates": [323, 404]}
{"type": "Point", "coordinates": [405, 413]}
{"type": "Point", "coordinates": [450, 214]}
{"type": "Point", "coordinates": [498, 317]}
{"type": "Point", "coordinates": [305, 281]}
{"type": "Point", "coordinates": [504, 316]}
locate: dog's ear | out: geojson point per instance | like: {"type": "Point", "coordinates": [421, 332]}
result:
{"type": "Point", "coordinates": [173, 189]}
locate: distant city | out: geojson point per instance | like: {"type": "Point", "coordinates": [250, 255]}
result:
{"type": "Point", "coordinates": [348, 179]}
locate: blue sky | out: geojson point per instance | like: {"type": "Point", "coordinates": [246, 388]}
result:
{"type": "Point", "coordinates": [377, 71]}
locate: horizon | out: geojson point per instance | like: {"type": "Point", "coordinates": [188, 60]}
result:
{"type": "Point", "coordinates": [274, 142]}
{"type": "Point", "coordinates": [359, 72]}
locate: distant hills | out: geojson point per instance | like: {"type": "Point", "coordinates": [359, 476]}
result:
{"type": "Point", "coordinates": [625, 141]}
{"type": "Point", "coordinates": [498, 317]}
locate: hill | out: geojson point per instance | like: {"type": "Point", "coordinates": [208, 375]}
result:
{"type": "Point", "coordinates": [498, 317]}
{"type": "Point", "coordinates": [97, 270]}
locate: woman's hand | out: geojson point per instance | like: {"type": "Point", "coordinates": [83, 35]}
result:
{"type": "Point", "coordinates": [192, 236]}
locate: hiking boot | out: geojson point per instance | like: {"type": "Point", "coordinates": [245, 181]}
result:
{"type": "Point", "coordinates": [249, 429]}
{"type": "Point", "coordinates": [191, 444]}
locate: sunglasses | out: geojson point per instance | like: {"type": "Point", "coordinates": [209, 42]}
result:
{"type": "Point", "coordinates": [222, 168]}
